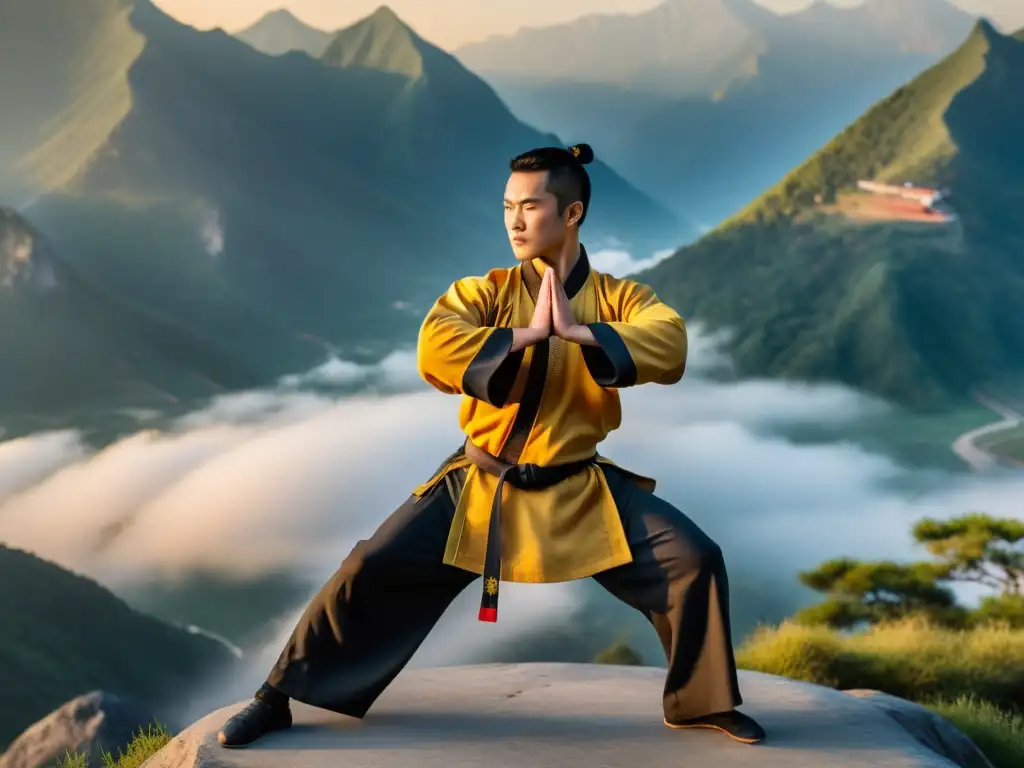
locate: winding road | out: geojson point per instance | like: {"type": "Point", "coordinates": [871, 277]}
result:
{"type": "Point", "coordinates": [966, 446]}
{"type": "Point", "coordinates": [192, 629]}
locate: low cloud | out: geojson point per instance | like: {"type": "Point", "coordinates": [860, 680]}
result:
{"type": "Point", "coordinates": [27, 461]}
{"type": "Point", "coordinates": [396, 372]}
{"type": "Point", "coordinates": [290, 479]}
{"type": "Point", "coordinates": [211, 230]}
{"type": "Point", "coordinates": [619, 262]}
{"type": "Point", "coordinates": [261, 481]}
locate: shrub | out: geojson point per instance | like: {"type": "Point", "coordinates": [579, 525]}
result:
{"type": "Point", "coordinates": [912, 659]}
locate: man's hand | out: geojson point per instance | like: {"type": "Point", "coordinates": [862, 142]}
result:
{"type": "Point", "coordinates": [541, 321]}
{"type": "Point", "coordinates": [563, 318]}
{"type": "Point", "coordinates": [540, 325]}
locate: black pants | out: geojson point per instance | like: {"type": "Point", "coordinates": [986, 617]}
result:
{"type": "Point", "coordinates": [369, 619]}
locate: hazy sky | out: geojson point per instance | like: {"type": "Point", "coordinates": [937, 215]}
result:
{"type": "Point", "coordinates": [450, 23]}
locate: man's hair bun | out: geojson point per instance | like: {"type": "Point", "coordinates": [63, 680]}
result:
{"type": "Point", "coordinates": [582, 152]}
{"type": "Point", "coordinates": [567, 180]}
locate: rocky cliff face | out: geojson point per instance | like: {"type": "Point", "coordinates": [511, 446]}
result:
{"type": "Point", "coordinates": [95, 723]}
{"type": "Point", "coordinates": [26, 259]}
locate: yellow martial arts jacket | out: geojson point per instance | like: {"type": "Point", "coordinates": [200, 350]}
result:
{"type": "Point", "coordinates": [550, 403]}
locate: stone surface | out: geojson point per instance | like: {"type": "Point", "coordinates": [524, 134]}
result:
{"type": "Point", "coordinates": [929, 728]}
{"type": "Point", "coordinates": [562, 716]}
{"type": "Point", "coordinates": [94, 723]}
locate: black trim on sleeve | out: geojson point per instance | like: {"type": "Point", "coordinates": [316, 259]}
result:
{"type": "Point", "coordinates": [609, 363]}
{"type": "Point", "coordinates": [492, 373]}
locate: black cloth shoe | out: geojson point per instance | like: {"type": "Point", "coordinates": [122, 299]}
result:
{"type": "Point", "coordinates": [733, 724]}
{"type": "Point", "coordinates": [264, 714]}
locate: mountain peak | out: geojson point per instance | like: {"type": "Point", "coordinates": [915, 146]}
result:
{"type": "Point", "coordinates": [988, 41]}
{"type": "Point", "coordinates": [381, 41]}
{"type": "Point", "coordinates": [986, 29]}
{"type": "Point", "coordinates": [384, 15]}
{"type": "Point", "coordinates": [281, 14]}
{"type": "Point", "coordinates": [385, 22]}
{"type": "Point", "coordinates": [282, 18]}
{"type": "Point", "coordinates": [281, 31]}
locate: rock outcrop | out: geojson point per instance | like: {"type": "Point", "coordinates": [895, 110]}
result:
{"type": "Point", "coordinates": [25, 256]}
{"type": "Point", "coordinates": [95, 723]}
{"type": "Point", "coordinates": [929, 728]}
{"type": "Point", "coordinates": [569, 716]}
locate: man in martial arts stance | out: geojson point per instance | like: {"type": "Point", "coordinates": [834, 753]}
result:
{"type": "Point", "coordinates": [538, 352]}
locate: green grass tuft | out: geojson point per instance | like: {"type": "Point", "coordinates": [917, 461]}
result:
{"type": "Point", "coordinates": [997, 733]}
{"type": "Point", "coordinates": [619, 653]}
{"type": "Point", "coordinates": [910, 659]}
{"type": "Point", "coordinates": [141, 748]}
{"type": "Point", "coordinates": [974, 678]}
{"type": "Point", "coordinates": [77, 760]}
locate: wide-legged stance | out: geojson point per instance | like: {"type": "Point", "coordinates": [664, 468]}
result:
{"type": "Point", "coordinates": [368, 620]}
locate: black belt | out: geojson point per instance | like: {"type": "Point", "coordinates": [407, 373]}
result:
{"type": "Point", "coordinates": [525, 477]}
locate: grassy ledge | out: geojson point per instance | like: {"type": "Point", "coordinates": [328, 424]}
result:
{"type": "Point", "coordinates": [974, 678]}
{"type": "Point", "coordinates": [141, 748]}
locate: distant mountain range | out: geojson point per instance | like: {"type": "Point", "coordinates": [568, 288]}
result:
{"type": "Point", "coordinates": [64, 635]}
{"type": "Point", "coordinates": [251, 213]}
{"type": "Point", "coordinates": [696, 47]}
{"type": "Point", "coordinates": [706, 102]}
{"type": "Point", "coordinates": [919, 311]}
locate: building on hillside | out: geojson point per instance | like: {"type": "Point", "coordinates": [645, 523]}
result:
{"type": "Point", "coordinates": [927, 196]}
{"type": "Point", "coordinates": [933, 201]}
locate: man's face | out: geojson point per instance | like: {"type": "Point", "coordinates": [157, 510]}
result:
{"type": "Point", "coordinates": [531, 216]}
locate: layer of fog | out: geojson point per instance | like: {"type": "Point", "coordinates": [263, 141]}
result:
{"type": "Point", "coordinates": [211, 230]}
{"type": "Point", "coordinates": [291, 479]}
{"type": "Point", "coordinates": [620, 262]}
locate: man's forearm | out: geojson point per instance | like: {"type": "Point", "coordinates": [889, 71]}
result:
{"type": "Point", "coordinates": [526, 337]}
{"type": "Point", "coordinates": [581, 334]}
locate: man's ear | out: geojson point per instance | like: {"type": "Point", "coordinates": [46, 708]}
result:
{"type": "Point", "coordinates": [573, 213]}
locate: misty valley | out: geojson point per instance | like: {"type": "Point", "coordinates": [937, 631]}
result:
{"type": "Point", "coordinates": [217, 250]}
